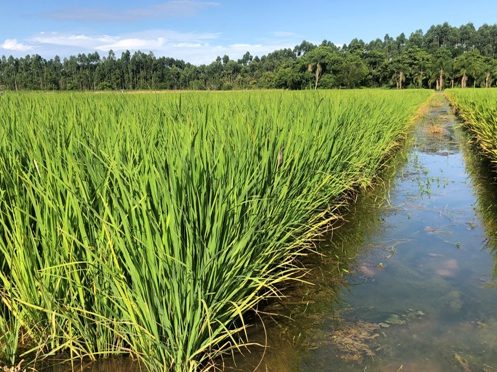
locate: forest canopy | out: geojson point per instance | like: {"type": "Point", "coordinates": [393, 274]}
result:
{"type": "Point", "coordinates": [444, 56]}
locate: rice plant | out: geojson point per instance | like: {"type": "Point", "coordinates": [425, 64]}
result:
{"type": "Point", "coordinates": [478, 108]}
{"type": "Point", "coordinates": [148, 225]}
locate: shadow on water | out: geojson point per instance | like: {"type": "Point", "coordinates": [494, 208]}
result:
{"type": "Point", "coordinates": [485, 186]}
{"type": "Point", "coordinates": [420, 286]}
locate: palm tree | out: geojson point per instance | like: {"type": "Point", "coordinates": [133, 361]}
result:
{"type": "Point", "coordinates": [317, 60]}
{"type": "Point", "coordinates": [317, 69]}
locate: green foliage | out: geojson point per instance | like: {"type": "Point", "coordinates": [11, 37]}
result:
{"type": "Point", "coordinates": [417, 60]}
{"type": "Point", "coordinates": [478, 108]}
{"type": "Point", "coordinates": [148, 225]}
{"type": "Point", "coordinates": [352, 70]}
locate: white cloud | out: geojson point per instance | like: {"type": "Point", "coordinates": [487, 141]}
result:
{"type": "Point", "coordinates": [172, 8]}
{"type": "Point", "coordinates": [14, 46]}
{"type": "Point", "coordinates": [149, 40]}
{"type": "Point", "coordinates": [193, 47]}
{"type": "Point", "coordinates": [71, 40]}
{"type": "Point", "coordinates": [133, 44]}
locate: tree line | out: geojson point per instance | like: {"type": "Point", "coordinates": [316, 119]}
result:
{"type": "Point", "coordinates": [443, 56]}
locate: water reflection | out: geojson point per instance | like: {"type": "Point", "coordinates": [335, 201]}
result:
{"type": "Point", "coordinates": [485, 186]}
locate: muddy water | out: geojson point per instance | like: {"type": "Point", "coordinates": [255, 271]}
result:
{"type": "Point", "coordinates": [416, 289]}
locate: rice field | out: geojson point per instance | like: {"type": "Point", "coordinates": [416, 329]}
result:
{"type": "Point", "coordinates": [478, 108]}
{"type": "Point", "coordinates": [147, 225]}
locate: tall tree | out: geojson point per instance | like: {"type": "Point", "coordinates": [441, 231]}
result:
{"type": "Point", "coordinates": [318, 60]}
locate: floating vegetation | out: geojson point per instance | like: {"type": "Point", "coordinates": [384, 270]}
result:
{"type": "Point", "coordinates": [353, 340]}
{"type": "Point", "coordinates": [357, 341]}
{"type": "Point", "coordinates": [435, 129]}
{"type": "Point", "coordinates": [462, 362]}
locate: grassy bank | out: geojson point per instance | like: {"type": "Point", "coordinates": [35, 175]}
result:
{"type": "Point", "coordinates": [478, 108]}
{"type": "Point", "coordinates": [148, 224]}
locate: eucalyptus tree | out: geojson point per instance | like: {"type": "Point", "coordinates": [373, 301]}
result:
{"type": "Point", "coordinates": [420, 60]}
{"type": "Point", "coordinates": [304, 47]}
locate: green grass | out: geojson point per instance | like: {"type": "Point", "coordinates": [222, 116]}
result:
{"type": "Point", "coordinates": [147, 225]}
{"type": "Point", "coordinates": [478, 108]}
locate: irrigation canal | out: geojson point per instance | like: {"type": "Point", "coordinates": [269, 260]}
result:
{"type": "Point", "coordinates": [420, 257]}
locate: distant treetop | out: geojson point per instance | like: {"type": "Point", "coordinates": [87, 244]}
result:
{"type": "Point", "coordinates": [443, 56]}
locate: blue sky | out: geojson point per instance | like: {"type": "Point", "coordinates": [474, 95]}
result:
{"type": "Point", "coordinates": [199, 30]}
